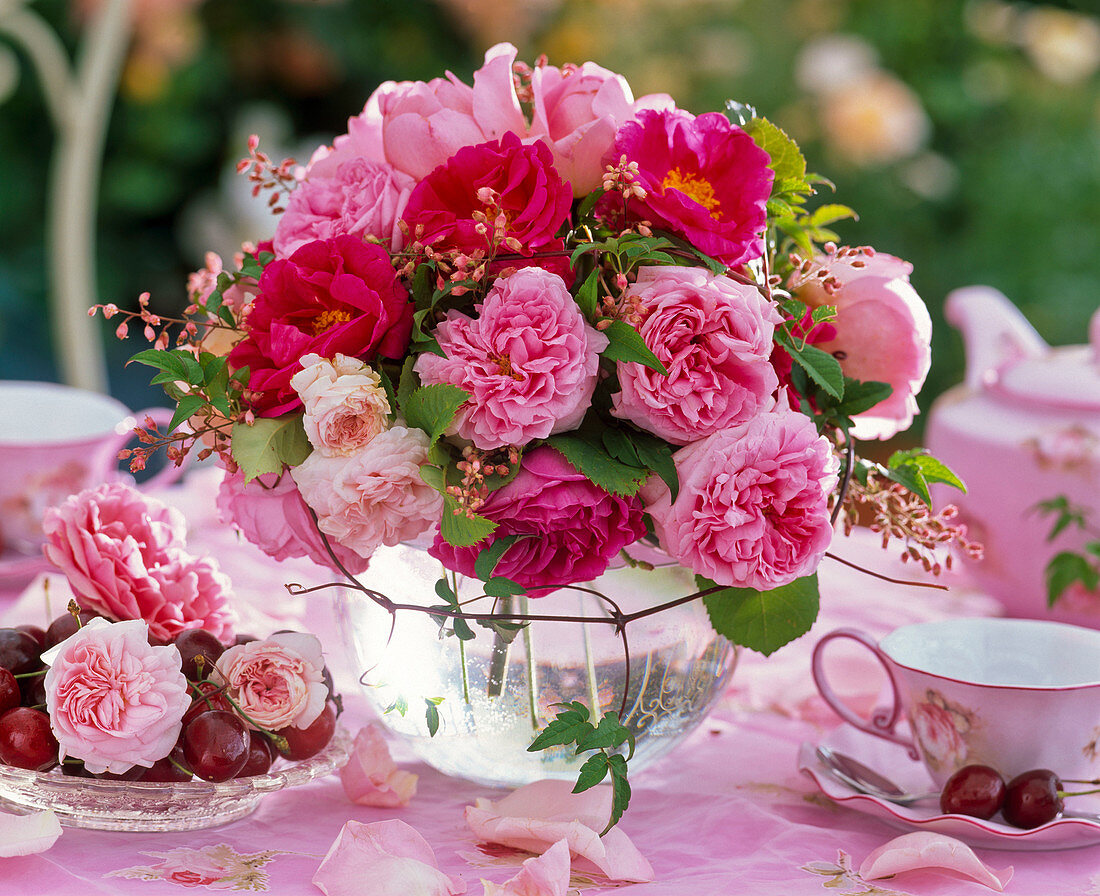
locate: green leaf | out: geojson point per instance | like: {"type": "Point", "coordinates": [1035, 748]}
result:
{"type": "Point", "coordinates": [168, 361]}
{"type": "Point", "coordinates": [620, 791]}
{"type": "Point", "coordinates": [268, 444]}
{"type": "Point", "coordinates": [490, 556]}
{"type": "Point", "coordinates": [187, 407]}
{"type": "Point", "coordinates": [462, 629]}
{"type": "Point", "coordinates": [594, 462]}
{"type": "Point", "coordinates": [656, 454]}
{"type": "Point", "coordinates": [589, 203]}
{"type": "Point", "coordinates": [830, 213]}
{"type": "Point", "coordinates": [422, 287]}
{"type": "Point", "coordinates": [593, 771]}
{"type": "Point", "coordinates": [609, 734]}
{"type": "Point", "coordinates": [431, 716]}
{"type": "Point", "coordinates": [408, 382]}
{"type": "Point", "coordinates": [444, 590]}
{"type": "Point", "coordinates": [433, 408]}
{"type": "Point", "coordinates": [501, 586]}
{"type": "Point", "coordinates": [588, 295]}
{"type": "Point", "coordinates": [460, 530]}
{"type": "Point", "coordinates": [786, 159]}
{"type": "Point", "coordinates": [763, 620]}
{"type": "Point", "coordinates": [400, 704]}
{"type": "Point", "coordinates": [391, 396]}
{"type": "Point", "coordinates": [862, 395]}
{"type": "Point", "coordinates": [626, 344]}
{"type": "Point", "coordinates": [567, 727]}
{"type": "Point", "coordinates": [1066, 568]}
{"type": "Point", "coordinates": [621, 447]}
{"type": "Point", "coordinates": [821, 367]}
{"type": "Point", "coordinates": [916, 469]}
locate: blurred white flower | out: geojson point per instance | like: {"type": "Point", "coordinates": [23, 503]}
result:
{"type": "Point", "coordinates": [875, 121]}
{"type": "Point", "coordinates": [1063, 45]}
{"type": "Point", "coordinates": [834, 63]}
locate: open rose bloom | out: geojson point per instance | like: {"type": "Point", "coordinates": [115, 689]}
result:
{"type": "Point", "coordinates": [540, 326]}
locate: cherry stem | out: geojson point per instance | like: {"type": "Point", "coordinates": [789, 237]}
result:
{"type": "Point", "coordinates": [1065, 793]}
{"type": "Point", "coordinates": [1094, 781]}
{"type": "Point", "coordinates": [43, 672]}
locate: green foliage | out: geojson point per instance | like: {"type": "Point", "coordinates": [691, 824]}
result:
{"type": "Point", "coordinates": [1066, 568]}
{"type": "Point", "coordinates": [587, 454]}
{"type": "Point", "coordinates": [433, 408]}
{"type": "Point", "coordinates": [916, 469]}
{"type": "Point", "coordinates": [431, 714]}
{"type": "Point", "coordinates": [762, 620]}
{"type": "Point", "coordinates": [626, 344]}
{"type": "Point", "coordinates": [573, 726]}
{"type": "Point", "coordinates": [269, 444]}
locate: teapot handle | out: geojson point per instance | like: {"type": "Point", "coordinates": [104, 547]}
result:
{"type": "Point", "coordinates": [995, 332]}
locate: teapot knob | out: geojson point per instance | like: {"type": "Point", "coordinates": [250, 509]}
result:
{"type": "Point", "coordinates": [994, 330]}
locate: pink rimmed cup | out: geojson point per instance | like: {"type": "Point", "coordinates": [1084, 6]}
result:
{"type": "Point", "coordinates": [1014, 694]}
{"type": "Point", "coordinates": [55, 441]}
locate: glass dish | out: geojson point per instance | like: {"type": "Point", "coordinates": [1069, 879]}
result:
{"type": "Point", "coordinates": [184, 806]}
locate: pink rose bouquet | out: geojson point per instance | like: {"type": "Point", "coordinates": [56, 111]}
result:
{"type": "Point", "coordinates": [547, 328]}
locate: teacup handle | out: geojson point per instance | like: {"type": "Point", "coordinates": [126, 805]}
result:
{"type": "Point", "coordinates": [883, 720]}
{"type": "Point", "coordinates": [170, 472]}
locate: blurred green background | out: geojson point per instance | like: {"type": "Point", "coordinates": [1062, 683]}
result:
{"type": "Point", "coordinates": [966, 134]}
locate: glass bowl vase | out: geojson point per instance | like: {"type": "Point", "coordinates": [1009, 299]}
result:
{"type": "Point", "coordinates": [492, 697]}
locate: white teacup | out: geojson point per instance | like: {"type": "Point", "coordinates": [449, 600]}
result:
{"type": "Point", "coordinates": [55, 441]}
{"type": "Point", "coordinates": [1013, 694]}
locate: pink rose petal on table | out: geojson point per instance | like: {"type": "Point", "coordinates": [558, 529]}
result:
{"type": "Point", "coordinates": [538, 815]}
{"type": "Point", "coordinates": [925, 849]}
{"type": "Point", "coordinates": [545, 875]}
{"type": "Point", "coordinates": [371, 777]}
{"type": "Point", "coordinates": [383, 859]}
{"type": "Point", "coordinates": [23, 835]}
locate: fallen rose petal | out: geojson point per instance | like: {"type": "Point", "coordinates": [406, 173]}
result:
{"type": "Point", "coordinates": [538, 815]}
{"type": "Point", "coordinates": [545, 875]}
{"type": "Point", "coordinates": [23, 835]}
{"type": "Point", "coordinates": [371, 777]}
{"type": "Point", "coordinates": [381, 859]}
{"type": "Point", "coordinates": [925, 849]}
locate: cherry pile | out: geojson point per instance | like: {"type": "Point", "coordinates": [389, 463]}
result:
{"type": "Point", "coordinates": [215, 743]}
{"type": "Point", "coordinates": [1030, 799]}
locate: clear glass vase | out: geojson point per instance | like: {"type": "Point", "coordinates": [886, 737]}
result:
{"type": "Point", "coordinates": [492, 698]}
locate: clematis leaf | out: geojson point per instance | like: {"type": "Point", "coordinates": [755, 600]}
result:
{"type": "Point", "coordinates": [591, 458]}
{"type": "Point", "coordinates": [762, 620]}
{"type": "Point", "coordinates": [433, 408]}
{"type": "Point", "coordinates": [268, 444]}
{"type": "Point", "coordinates": [626, 344]}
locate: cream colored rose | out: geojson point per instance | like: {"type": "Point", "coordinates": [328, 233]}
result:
{"type": "Point", "coordinates": [345, 404]}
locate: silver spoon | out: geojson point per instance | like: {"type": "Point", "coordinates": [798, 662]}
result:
{"type": "Point", "coordinates": [866, 780]}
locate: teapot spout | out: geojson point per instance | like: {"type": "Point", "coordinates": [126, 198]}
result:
{"type": "Point", "coordinates": [995, 332]}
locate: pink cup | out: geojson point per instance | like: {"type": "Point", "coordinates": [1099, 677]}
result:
{"type": "Point", "coordinates": [1014, 694]}
{"type": "Point", "coordinates": [55, 441]}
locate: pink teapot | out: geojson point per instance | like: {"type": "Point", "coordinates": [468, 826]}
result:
{"type": "Point", "coordinates": [1023, 428]}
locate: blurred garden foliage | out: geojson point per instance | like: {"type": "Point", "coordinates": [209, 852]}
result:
{"type": "Point", "coordinates": [966, 134]}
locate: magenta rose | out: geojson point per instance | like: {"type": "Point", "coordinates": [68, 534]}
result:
{"type": "Point", "coordinates": [361, 198]}
{"type": "Point", "coordinates": [714, 337]}
{"type": "Point", "coordinates": [705, 179]}
{"type": "Point", "coordinates": [752, 510]}
{"type": "Point", "coordinates": [577, 111]}
{"type": "Point", "coordinates": [114, 701]}
{"type": "Point", "coordinates": [336, 295]}
{"type": "Point", "coordinates": [529, 361]}
{"type": "Point", "coordinates": [577, 528]}
{"type": "Point", "coordinates": [271, 514]}
{"type": "Point", "coordinates": [882, 333]}
{"type": "Point", "coordinates": [277, 682]}
{"type": "Point", "coordinates": [502, 178]}
{"type": "Point", "coordinates": [122, 554]}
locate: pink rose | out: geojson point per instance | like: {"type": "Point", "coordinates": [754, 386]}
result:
{"type": "Point", "coordinates": [539, 815]}
{"type": "Point", "coordinates": [577, 110]}
{"type": "Point", "coordinates": [272, 515]}
{"type": "Point", "coordinates": [362, 199]}
{"type": "Point", "coordinates": [705, 179]}
{"type": "Point", "coordinates": [122, 554]}
{"type": "Point", "coordinates": [883, 333]}
{"type": "Point", "coordinates": [115, 701]}
{"type": "Point", "coordinates": [373, 496]}
{"type": "Point", "coordinates": [383, 858]}
{"type": "Point", "coordinates": [577, 527]}
{"type": "Point", "coordinates": [529, 361]}
{"type": "Point", "coordinates": [331, 296]}
{"type": "Point", "coordinates": [753, 504]}
{"type": "Point", "coordinates": [545, 875]}
{"type": "Point", "coordinates": [714, 336]}
{"type": "Point", "coordinates": [277, 682]}
{"type": "Point", "coordinates": [938, 736]}
{"type": "Point", "coordinates": [508, 181]}
{"type": "Point", "coordinates": [371, 777]}
{"type": "Point", "coordinates": [344, 402]}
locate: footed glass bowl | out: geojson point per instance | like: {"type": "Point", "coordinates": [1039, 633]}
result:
{"type": "Point", "coordinates": [183, 806]}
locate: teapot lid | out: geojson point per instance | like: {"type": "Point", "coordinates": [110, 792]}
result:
{"type": "Point", "coordinates": [1064, 378]}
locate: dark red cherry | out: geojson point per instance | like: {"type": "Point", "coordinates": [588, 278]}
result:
{"type": "Point", "coordinates": [194, 643]}
{"type": "Point", "coordinates": [10, 695]}
{"type": "Point", "coordinates": [19, 652]}
{"type": "Point", "coordinates": [301, 743]}
{"type": "Point", "coordinates": [1032, 798]}
{"type": "Point", "coordinates": [168, 770]}
{"type": "Point", "coordinates": [36, 632]}
{"type": "Point", "coordinates": [206, 696]}
{"type": "Point", "coordinates": [26, 740]}
{"type": "Point", "coordinates": [260, 755]}
{"type": "Point", "coordinates": [215, 745]}
{"type": "Point", "coordinates": [975, 790]}
{"type": "Point", "coordinates": [65, 626]}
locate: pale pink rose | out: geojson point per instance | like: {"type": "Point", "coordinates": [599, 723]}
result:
{"type": "Point", "coordinates": [278, 682]}
{"type": "Point", "coordinates": [545, 875]}
{"type": "Point", "coordinates": [883, 333]}
{"type": "Point", "coordinates": [122, 554]}
{"type": "Point", "coordinates": [538, 815]}
{"type": "Point", "coordinates": [24, 835]}
{"type": "Point", "coordinates": [714, 336]}
{"type": "Point", "coordinates": [938, 736]}
{"type": "Point", "coordinates": [921, 850]}
{"type": "Point", "coordinates": [529, 361]}
{"type": "Point", "coordinates": [384, 858]}
{"type": "Point", "coordinates": [272, 515]}
{"type": "Point", "coordinates": [114, 701]}
{"type": "Point", "coordinates": [344, 401]}
{"type": "Point", "coordinates": [374, 496]}
{"type": "Point", "coordinates": [361, 198]}
{"type": "Point", "coordinates": [207, 867]}
{"type": "Point", "coordinates": [371, 777]}
{"type": "Point", "coordinates": [753, 504]}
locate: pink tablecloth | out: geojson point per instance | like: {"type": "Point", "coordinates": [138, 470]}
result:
{"type": "Point", "coordinates": [727, 812]}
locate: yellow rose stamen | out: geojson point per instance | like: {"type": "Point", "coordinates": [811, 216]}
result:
{"type": "Point", "coordinates": [325, 321]}
{"type": "Point", "coordinates": [693, 187]}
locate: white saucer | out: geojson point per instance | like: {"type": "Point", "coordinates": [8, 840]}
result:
{"type": "Point", "coordinates": [893, 762]}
